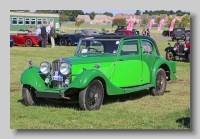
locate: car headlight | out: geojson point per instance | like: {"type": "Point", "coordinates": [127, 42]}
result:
{"type": "Point", "coordinates": [174, 49]}
{"type": "Point", "coordinates": [45, 67]}
{"type": "Point", "coordinates": [65, 68]}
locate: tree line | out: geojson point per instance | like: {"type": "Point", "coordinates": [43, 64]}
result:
{"type": "Point", "coordinates": [70, 15]}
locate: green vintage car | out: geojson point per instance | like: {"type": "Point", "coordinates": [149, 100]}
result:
{"type": "Point", "coordinates": [102, 64]}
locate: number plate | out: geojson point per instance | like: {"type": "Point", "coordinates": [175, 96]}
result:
{"type": "Point", "coordinates": [57, 76]}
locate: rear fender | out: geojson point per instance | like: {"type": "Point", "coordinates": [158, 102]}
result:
{"type": "Point", "coordinates": [166, 65]}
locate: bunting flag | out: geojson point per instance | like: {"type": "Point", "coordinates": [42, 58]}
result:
{"type": "Point", "coordinates": [131, 23]}
{"type": "Point", "coordinates": [160, 25]}
{"type": "Point", "coordinates": [151, 24]}
{"type": "Point", "coordinates": [172, 24]}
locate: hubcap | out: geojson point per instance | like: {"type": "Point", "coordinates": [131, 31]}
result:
{"type": "Point", "coordinates": [93, 96]}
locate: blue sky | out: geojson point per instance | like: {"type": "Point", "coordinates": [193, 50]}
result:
{"type": "Point", "coordinates": [114, 12]}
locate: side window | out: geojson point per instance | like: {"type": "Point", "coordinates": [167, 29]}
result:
{"type": "Point", "coordinates": [130, 48]}
{"type": "Point", "coordinates": [123, 33]}
{"type": "Point", "coordinates": [146, 47]}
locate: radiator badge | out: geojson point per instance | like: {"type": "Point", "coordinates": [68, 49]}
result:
{"type": "Point", "coordinates": [57, 76]}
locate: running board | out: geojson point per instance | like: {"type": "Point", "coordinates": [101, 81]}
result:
{"type": "Point", "coordinates": [138, 88]}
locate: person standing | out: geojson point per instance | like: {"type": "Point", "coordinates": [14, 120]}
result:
{"type": "Point", "coordinates": [44, 36]}
{"type": "Point", "coordinates": [38, 30]}
{"type": "Point", "coordinates": [48, 29]}
{"type": "Point", "coordinates": [52, 35]}
{"type": "Point", "coordinates": [144, 32]}
{"type": "Point", "coordinates": [148, 32]}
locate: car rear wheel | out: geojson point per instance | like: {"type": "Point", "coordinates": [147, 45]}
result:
{"type": "Point", "coordinates": [170, 56]}
{"type": "Point", "coordinates": [29, 95]}
{"type": "Point", "coordinates": [161, 83]}
{"type": "Point", "coordinates": [63, 42]}
{"type": "Point", "coordinates": [91, 97]}
{"type": "Point", "coordinates": [29, 42]}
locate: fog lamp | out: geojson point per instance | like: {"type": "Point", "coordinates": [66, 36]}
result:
{"type": "Point", "coordinates": [67, 81]}
{"type": "Point", "coordinates": [47, 80]}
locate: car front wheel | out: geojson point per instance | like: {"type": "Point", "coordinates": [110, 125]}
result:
{"type": "Point", "coordinates": [161, 83]}
{"type": "Point", "coordinates": [91, 97]}
{"type": "Point", "coordinates": [29, 95]}
{"type": "Point", "coordinates": [170, 56]}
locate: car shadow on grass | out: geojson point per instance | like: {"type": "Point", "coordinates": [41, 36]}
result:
{"type": "Point", "coordinates": [125, 97]}
{"type": "Point", "coordinates": [46, 103]}
{"type": "Point", "coordinates": [185, 121]}
{"type": "Point", "coordinates": [108, 99]}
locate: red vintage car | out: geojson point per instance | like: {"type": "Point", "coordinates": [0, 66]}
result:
{"type": "Point", "coordinates": [23, 38]}
{"type": "Point", "coordinates": [126, 32]}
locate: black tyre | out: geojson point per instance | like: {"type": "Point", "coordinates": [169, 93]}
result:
{"type": "Point", "coordinates": [91, 97]}
{"type": "Point", "coordinates": [188, 57]}
{"type": "Point", "coordinates": [28, 42]}
{"type": "Point", "coordinates": [161, 83]}
{"type": "Point", "coordinates": [29, 96]}
{"type": "Point", "coordinates": [169, 55]}
{"type": "Point", "coordinates": [63, 42]}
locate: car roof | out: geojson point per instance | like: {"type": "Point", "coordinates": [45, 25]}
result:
{"type": "Point", "coordinates": [120, 37]}
{"type": "Point", "coordinates": [125, 37]}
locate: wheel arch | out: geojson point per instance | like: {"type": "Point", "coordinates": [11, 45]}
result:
{"type": "Point", "coordinates": [166, 66]}
{"type": "Point", "coordinates": [83, 80]}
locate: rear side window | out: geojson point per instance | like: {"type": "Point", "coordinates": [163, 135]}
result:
{"type": "Point", "coordinates": [146, 47]}
{"type": "Point", "coordinates": [130, 48]}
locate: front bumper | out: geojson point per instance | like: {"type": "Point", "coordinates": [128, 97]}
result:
{"type": "Point", "coordinates": [51, 93]}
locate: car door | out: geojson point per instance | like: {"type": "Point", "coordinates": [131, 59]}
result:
{"type": "Point", "coordinates": [128, 68]}
{"type": "Point", "coordinates": [149, 57]}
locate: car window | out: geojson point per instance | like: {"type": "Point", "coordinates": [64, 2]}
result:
{"type": "Point", "coordinates": [146, 47]}
{"type": "Point", "coordinates": [130, 47]}
{"type": "Point", "coordinates": [123, 33]}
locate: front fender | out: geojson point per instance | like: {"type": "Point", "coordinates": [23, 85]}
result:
{"type": "Point", "coordinates": [171, 65]}
{"type": "Point", "coordinates": [169, 49]}
{"type": "Point", "coordinates": [31, 77]}
{"type": "Point", "coordinates": [82, 81]}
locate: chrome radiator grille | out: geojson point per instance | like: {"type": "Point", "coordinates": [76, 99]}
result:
{"type": "Point", "coordinates": [56, 67]}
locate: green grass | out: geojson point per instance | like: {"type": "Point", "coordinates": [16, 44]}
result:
{"type": "Point", "coordinates": [138, 110]}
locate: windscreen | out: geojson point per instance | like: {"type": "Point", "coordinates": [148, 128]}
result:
{"type": "Point", "coordinates": [91, 46]}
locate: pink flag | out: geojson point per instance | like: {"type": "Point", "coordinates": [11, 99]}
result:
{"type": "Point", "coordinates": [131, 23]}
{"type": "Point", "coordinates": [172, 24]}
{"type": "Point", "coordinates": [160, 25]}
{"type": "Point", "coordinates": [151, 24]}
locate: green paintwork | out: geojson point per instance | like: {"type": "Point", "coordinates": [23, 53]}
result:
{"type": "Point", "coordinates": [120, 73]}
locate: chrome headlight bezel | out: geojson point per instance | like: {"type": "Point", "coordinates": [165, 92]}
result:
{"type": "Point", "coordinates": [45, 67]}
{"type": "Point", "coordinates": [65, 68]}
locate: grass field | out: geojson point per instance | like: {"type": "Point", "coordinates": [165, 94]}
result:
{"type": "Point", "coordinates": [138, 110]}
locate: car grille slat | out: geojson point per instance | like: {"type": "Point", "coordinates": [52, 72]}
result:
{"type": "Point", "coordinates": [56, 65]}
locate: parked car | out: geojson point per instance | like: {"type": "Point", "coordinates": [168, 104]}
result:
{"type": "Point", "coordinates": [73, 39]}
{"type": "Point", "coordinates": [120, 65]}
{"type": "Point", "coordinates": [11, 41]}
{"type": "Point", "coordinates": [178, 34]}
{"type": "Point", "coordinates": [125, 32]}
{"type": "Point", "coordinates": [125, 28]}
{"type": "Point", "coordinates": [24, 38]}
{"type": "Point", "coordinates": [180, 51]}
{"type": "Point", "coordinates": [167, 33]}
